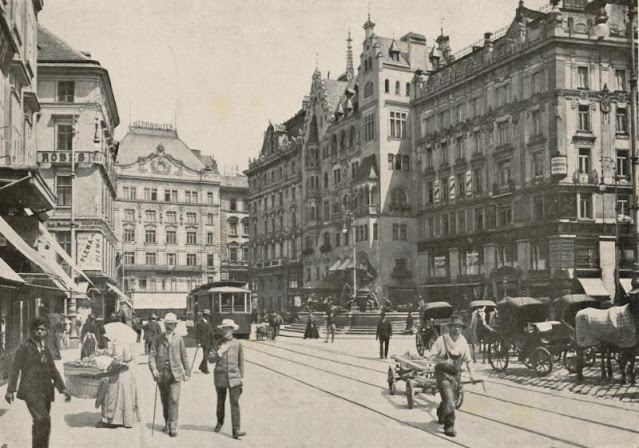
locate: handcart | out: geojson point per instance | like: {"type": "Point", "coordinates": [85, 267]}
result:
{"type": "Point", "coordinates": [419, 373]}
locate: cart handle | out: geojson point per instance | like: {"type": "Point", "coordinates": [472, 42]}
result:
{"type": "Point", "coordinates": [475, 382]}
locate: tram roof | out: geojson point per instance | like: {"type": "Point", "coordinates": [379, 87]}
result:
{"type": "Point", "coordinates": [223, 289]}
{"type": "Point", "coordinates": [219, 286]}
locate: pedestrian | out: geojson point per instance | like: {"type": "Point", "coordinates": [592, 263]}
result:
{"type": "Point", "coordinates": [228, 375]}
{"type": "Point", "coordinates": [311, 328]}
{"type": "Point", "coordinates": [120, 402]}
{"type": "Point", "coordinates": [152, 330]}
{"type": "Point", "coordinates": [451, 351]}
{"type": "Point", "coordinates": [277, 319]}
{"type": "Point", "coordinates": [409, 323]}
{"type": "Point", "coordinates": [66, 332]}
{"type": "Point", "coordinates": [33, 364]}
{"type": "Point", "coordinates": [137, 327]}
{"type": "Point", "coordinates": [169, 365]}
{"type": "Point", "coordinates": [89, 337]}
{"type": "Point", "coordinates": [204, 334]}
{"type": "Point", "coordinates": [102, 341]}
{"type": "Point", "coordinates": [330, 324]}
{"type": "Point", "coordinates": [384, 333]}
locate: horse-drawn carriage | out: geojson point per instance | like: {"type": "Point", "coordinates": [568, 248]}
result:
{"type": "Point", "coordinates": [537, 342]}
{"type": "Point", "coordinates": [432, 318]}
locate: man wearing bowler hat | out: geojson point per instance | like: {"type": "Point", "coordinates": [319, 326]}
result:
{"type": "Point", "coordinates": [228, 373]}
{"type": "Point", "coordinates": [451, 351]}
{"type": "Point", "coordinates": [152, 330]}
{"type": "Point", "coordinates": [204, 333]}
{"type": "Point", "coordinates": [169, 365]}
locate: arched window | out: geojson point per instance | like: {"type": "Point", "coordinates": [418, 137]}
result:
{"type": "Point", "coordinates": [345, 201]}
{"type": "Point", "coordinates": [333, 144]}
{"type": "Point", "coordinates": [387, 86]}
{"type": "Point", "coordinates": [397, 88]}
{"type": "Point", "coordinates": [325, 180]}
{"type": "Point", "coordinates": [351, 137]}
{"type": "Point", "coordinates": [408, 89]}
{"type": "Point", "coordinates": [342, 141]}
{"type": "Point", "coordinates": [399, 197]}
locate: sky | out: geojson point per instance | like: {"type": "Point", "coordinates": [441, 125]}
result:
{"type": "Point", "coordinates": [220, 70]}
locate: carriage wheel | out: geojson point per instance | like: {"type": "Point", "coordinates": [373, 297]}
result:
{"type": "Point", "coordinates": [570, 360]}
{"type": "Point", "coordinates": [410, 393]}
{"type": "Point", "coordinates": [541, 361]}
{"type": "Point", "coordinates": [590, 356]}
{"type": "Point", "coordinates": [498, 354]}
{"type": "Point", "coordinates": [459, 396]}
{"type": "Point", "coordinates": [392, 382]}
{"type": "Point", "coordinates": [419, 343]}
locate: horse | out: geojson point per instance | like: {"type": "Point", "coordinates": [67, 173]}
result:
{"type": "Point", "coordinates": [612, 329]}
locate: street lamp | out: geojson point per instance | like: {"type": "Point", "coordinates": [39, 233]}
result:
{"type": "Point", "coordinates": [610, 164]}
{"type": "Point", "coordinates": [349, 218]}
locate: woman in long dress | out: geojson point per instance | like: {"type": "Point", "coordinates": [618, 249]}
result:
{"type": "Point", "coordinates": [311, 329]}
{"type": "Point", "coordinates": [120, 403]}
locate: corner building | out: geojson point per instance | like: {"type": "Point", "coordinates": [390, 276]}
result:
{"type": "Point", "coordinates": [523, 159]}
{"type": "Point", "coordinates": [177, 217]}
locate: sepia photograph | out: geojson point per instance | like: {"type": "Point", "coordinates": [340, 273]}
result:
{"type": "Point", "coordinates": [303, 223]}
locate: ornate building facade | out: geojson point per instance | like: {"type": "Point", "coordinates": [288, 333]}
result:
{"type": "Point", "coordinates": [177, 218]}
{"type": "Point", "coordinates": [77, 119]}
{"type": "Point", "coordinates": [275, 206]}
{"type": "Point", "coordinates": [523, 157]}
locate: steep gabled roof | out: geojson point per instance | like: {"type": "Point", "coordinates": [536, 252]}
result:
{"type": "Point", "coordinates": [367, 170]}
{"type": "Point", "coordinates": [52, 48]}
{"type": "Point", "coordinates": [385, 46]}
{"type": "Point", "coordinates": [334, 90]}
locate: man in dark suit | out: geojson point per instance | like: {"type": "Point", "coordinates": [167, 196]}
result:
{"type": "Point", "coordinates": [152, 330]}
{"type": "Point", "coordinates": [384, 333]}
{"type": "Point", "coordinates": [204, 334]}
{"type": "Point", "coordinates": [33, 364]}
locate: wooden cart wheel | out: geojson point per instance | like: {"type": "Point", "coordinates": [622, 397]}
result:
{"type": "Point", "coordinates": [392, 381]}
{"type": "Point", "coordinates": [570, 360]}
{"type": "Point", "coordinates": [498, 354]}
{"type": "Point", "coordinates": [541, 361]}
{"type": "Point", "coordinates": [410, 393]}
{"type": "Point", "coordinates": [590, 356]}
{"type": "Point", "coordinates": [459, 396]}
{"type": "Point", "coordinates": [419, 343]}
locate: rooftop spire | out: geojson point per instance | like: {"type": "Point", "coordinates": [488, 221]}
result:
{"type": "Point", "coordinates": [349, 56]}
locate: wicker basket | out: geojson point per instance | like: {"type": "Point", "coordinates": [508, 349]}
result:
{"type": "Point", "coordinates": [82, 387]}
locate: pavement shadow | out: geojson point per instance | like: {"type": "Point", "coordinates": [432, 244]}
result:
{"type": "Point", "coordinates": [83, 419]}
{"type": "Point", "coordinates": [3, 411]}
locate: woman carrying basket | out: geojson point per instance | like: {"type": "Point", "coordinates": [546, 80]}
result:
{"type": "Point", "coordinates": [451, 351]}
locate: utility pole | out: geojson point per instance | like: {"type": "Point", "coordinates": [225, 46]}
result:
{"type": "Point", "coordinates": [632, 16]}
{"type": "Point", "coordinates": [349, 220]}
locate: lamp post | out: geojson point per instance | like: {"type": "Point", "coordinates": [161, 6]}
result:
{"type": "Point", "coordinates": [349, 219]}
{"type": "Point", "coordinates": [609, 162]}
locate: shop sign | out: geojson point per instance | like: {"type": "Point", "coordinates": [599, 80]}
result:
{"type": "Point", "coordinates": [561, 253]}
{"type": "Point", "coordinates": [559, 165]}
{"type": "Point", "coordinates": [472, 258]}
{"type": "Point", "coordinates": [297, 300]}
{"type": "Point", "coordinates": [90, 251]}
{"type": "Point", "coordinates": [440, 262]}
{"type": "Point", "coordinates": [62, 157]}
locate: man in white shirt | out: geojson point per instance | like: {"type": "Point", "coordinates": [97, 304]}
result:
{"type": "Point", "coordinates": [451, 351]}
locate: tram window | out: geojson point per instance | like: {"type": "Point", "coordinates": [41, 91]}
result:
{"type": "Point", "coordinates": [216, 303]}
{"type": "Point", "coordinates": [238, 303]}
{"type": "Point", "coordinates": [227, 303]}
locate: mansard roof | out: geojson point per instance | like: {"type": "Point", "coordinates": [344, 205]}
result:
{"type": "Point", "coordinates": [52, 48]}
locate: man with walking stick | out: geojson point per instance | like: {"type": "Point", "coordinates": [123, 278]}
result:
{"type": "Point", "coordinates": [169, 364]}
{"type": "Point", "coordinates": [204, 334]}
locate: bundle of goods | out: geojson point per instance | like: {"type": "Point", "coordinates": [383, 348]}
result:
{"type": "Point", "coordinates": [84, 376]}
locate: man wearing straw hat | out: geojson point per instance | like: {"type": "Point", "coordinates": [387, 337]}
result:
{"type": "Point", "coordinates": [451, 351]}
{"type": "Point", "coordinates": [169, 364]}
{"type": "Point", "coordinates": [227, 375]}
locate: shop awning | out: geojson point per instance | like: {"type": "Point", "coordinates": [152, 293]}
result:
{"type": "Point", "coordinates": [63, 254]}
{"type": "Point", "coordinates": [159, 301]}
{"type": "Point", "coordinates": [54, 272]}
{"type": "Point", "coordinates": [336, 266]}
{"type": "Point", "coordinates": [8, 275]}
{"type": "Point", "coordinates": [348, 264]}
{"type": "Point", "coordinates": [626, 284]}
{"type": "Point", "coordinates": [593, 287]}
{"type": "Point", "coordinates": [123, 297]}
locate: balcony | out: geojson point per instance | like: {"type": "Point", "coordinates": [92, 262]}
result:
{"type": "Point", "coordinates": [312, 164]}
{"type": "Point", "coordinates": [325, 248]}
{"type": "Point", "coordinates": [503, 188]}
{"type": "Point", "coordinates": [400, 208]}
{"type": "Point", "coordinates": [162, 267]}
{"type": "Point", "coordinates": [308, 251]}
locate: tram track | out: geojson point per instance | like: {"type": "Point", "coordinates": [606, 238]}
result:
{"type": "Point", "coordinates": [491, 381]}
{"type": "Point", "coordinates": [378, 387]}
{"type": "Point", "coordinates": [503, 400]}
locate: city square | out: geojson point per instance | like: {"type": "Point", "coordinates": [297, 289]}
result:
{"type": "Point", "coordinates": [302, 223]}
